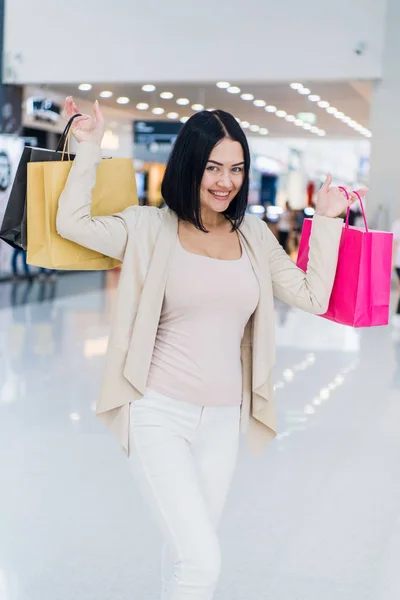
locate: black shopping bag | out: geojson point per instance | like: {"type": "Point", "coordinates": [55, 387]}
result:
{"type": "Point", "coordinates": [13, 228]}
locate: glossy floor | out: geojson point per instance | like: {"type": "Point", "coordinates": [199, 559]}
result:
{"type": "Point", "coordinates": [316, 517]}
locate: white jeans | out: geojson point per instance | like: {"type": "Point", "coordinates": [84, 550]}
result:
{"type": "Point", "coordinates": [183, 457]}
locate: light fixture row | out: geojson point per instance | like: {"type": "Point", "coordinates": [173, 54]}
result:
{"type": "Point", "coordinates": [269, 108]}
{"type": "Point", "coordinates": [331, 110]}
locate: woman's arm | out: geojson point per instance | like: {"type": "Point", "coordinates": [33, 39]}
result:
{"type": "Point", "coordinates": [311, 291]}
{"type": "Point", "coordinates": [107, 235]}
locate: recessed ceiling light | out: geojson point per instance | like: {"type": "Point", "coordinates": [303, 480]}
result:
{"type": "Point", "coordinates": [321, 133]}
{"type": "Point", "coordinates": [173, 115]}
{"type": "Point", "coordinates": [314, 98]}
{"type": "Point", "coordinates": [263, 131]}
{"type": "Point", "coordinates": [197, 107]}
{"type": "Point", "coordinates": [233, 89]}
{"type": "Point", "coordinates": [142, 106]}
{"type": "Point", "coordinates": [290, 118]}
{"type": "Point", "coordinates": [166, 95]}
{"type": "Point", "coordinates": [183, 101]}
{"type": "Point", "coordinates": [123, 100]}
{"type": "Point", "coordinates": [85, 87]}
{"type": "Point", "coordinates": [259, 103]}
{"type": "Point", "coordinates": [245, 124]}
{"type": "Point", "coordinates": [339, 115]}
{"type": "Point", "coordinates": [270, 108]}
{"type": "Point", "coordinates": [254, 128]}
{"type": "Point", "coordinates": [296, 86]}
{"type": "Point", "coordinates": [304, 91]}
{"type": "Point", "coordinates": [210, 109]}
{"type": "Point", "coordinates": [106, 94]}
{"type": "Point", "coordinates": [223, 85]}
{"type": "Point", "coordinates": [149, 87]}
{"type": "Point", "coordinates": [323, 104]}
{"type": "Point", "coordinates": [158, 111]}
{"type": "Point", "coordinates": [281, 113]}
{"type": "Point", "coordinates": [347, 120]}
{"type": "Point", "coordinates": [247, 97]}
{"type": "Point", "coordinates": [314, 129]}
{"type": "Point", "coordinates": [75, 416]}
{"type": "Point", "coordinates": [331, 110]}
{"type": "Point", "coordinates": [307, 126]}
{"type": "Point", "coordinates": [298, 122]}
{"type": "Point", "coordinates": [184, 119]}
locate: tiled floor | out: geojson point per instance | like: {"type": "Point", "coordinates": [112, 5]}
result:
{"type": "Point", "coordinates": [316, 517]}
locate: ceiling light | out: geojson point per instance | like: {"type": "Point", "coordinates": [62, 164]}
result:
{"type": "Point", "coordinates": [323, 104]}
{"type": "Point", "coordinates": [296, 86]}
{"type": "Point", "coordinates": [223, 85]}
{"type": "Point", "coordinates": [142, 106]}
{"type": "Point", "coordinates": [166, 95]}
{"type": "Point", "coordinates": [307, 126]}
{"type": "Point", "coordinates": [158, 111]}
{"type": "Point", "coordinates": [210, 109]}
{"type": "Point", "coordinates": [321, 133]}
{"type": "Point", "coordinates": [314, 98]}
{"type": "Point", "coordinates": [281, 113]}
{"type": "Point", "coordinates": [123, 100]}
{"type": "Point", "coordinates": [75, 416]}
{"type": "Point", "coordinates": [304, 91]}
{"type": "Point", "coordinates": [245, 124]}
{"type": "Point", "coordinates": [85, 87]}
{"type": "Point", "coordinates": [331, 110]}
{"type": "Point", "coordinates": [254, 128]}
{"type": "Point", "coordinates": [338, 115]}
{"type": "Point", "coordinates": [247, 97]}
{"type": "Point", "coordinates": [290, 118]}
{"type": "Point", "coordinates": [183, 101]}
{"type": "Point", "coordinates": [263, 131]}
{"type": "Point", "coordinates": [259, 103]}
{"type": "Point", "coordinates": [314, 129]}
{"type": "Point", "coordinates": [149, 87]}
{"type": "Point", "coordinates": [173, 115]}
{"type": "Point", "coordinates": [298, 122]}
{"type": "Point", "coordinates": [106, 94]}
{"type": "Point", "coordinates": [233, 89]}
{"type": "Point", "coordinates": [270, 108]}
{"type": "Point", "coordinates": [236, 119]}
{"type": "Point", "coordinates": [184, 119]}
{"type": "Point", "coordinates": [197, 107]}
{"type": "Point", "coordinates": [347, 120]}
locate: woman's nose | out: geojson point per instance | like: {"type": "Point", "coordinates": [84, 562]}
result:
{"type": "Point", "coordinates": [225, 180]}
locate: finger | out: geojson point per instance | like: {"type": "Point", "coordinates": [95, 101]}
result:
{"type": "Point", "coordinates": [79, 120]}
{"type": "Point", "coordinates": [97, 113]}
{"type": "Point", "coordinates": [327, 183]}
{"type": "Point", "coordinates": [69, 106]}
{"type": "Point", "coordinates": [362, 192]}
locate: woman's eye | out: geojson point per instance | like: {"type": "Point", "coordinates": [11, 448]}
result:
{"type": "Point", "coordinates": [237, 169]}
{"type": "Point", "coordinates": [211, 168]}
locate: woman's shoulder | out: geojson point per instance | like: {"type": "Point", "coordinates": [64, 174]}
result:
{"type": "Point", "coordinates": [142, 216]}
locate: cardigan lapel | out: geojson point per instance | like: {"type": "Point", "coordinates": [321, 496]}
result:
{"type": "Point", "coordinates": [145, 327]}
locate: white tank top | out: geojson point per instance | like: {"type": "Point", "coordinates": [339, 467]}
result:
{"type": "Point", "coordinates": [206, 306]}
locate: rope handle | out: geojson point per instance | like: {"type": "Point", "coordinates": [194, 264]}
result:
{"type": "Point", "coordinates": [348, 208]}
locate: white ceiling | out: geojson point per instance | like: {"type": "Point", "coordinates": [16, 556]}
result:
{"type": "Point", "coordinates": [351, 98]}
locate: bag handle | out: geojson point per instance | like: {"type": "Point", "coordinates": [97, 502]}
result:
{"type": "Point", "coordinates": [348, 208]}
{"type": "Point", "coordinates": [65, 136]}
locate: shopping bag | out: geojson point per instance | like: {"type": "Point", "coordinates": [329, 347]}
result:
{"type": "Point", "coordinates": [361, 290]}
{"type": "Point", "coordinates": [13, 228]}
{"type": "Point", "coordinates": [114, 191]}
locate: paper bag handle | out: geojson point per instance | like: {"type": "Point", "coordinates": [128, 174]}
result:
{"type": "Point", "coordinates": [348, 209]}
{"type": "Point", "coordinates": [65, 136]}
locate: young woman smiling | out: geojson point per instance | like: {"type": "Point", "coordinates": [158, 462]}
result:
{"type": "Point", "coordinates": [192, 343]}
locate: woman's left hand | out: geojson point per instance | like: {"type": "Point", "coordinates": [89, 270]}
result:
{"type": "Point", "coordinates": [332, 201]}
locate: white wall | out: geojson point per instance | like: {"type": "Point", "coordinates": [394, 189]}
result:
{"type": "Point", "coordinates": [179, 40]}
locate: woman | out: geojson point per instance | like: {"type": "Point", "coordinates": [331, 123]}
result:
{"type": "Point", "coordinates": [192, 344]}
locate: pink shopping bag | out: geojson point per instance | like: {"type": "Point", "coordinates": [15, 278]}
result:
{"type": "Point", "coordinates": [361, 290]}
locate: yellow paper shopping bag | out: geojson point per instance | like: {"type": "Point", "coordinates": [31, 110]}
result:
{"type": "Point", "coordinates": [114, 191]}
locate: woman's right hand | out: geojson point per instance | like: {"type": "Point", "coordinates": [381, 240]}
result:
{"type": "Point", "coordinates": [85, 128]}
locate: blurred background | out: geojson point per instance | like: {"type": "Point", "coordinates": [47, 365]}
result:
{"type": "Point", "coordinates": [316, 87]}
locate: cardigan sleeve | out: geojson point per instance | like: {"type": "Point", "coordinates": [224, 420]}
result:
{"type": "Point", "coordinates": [107, 235]}
{"type": "Point", "coordinates": [309, 291]}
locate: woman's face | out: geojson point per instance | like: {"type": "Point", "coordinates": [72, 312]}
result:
{"type": "Point", "coordinates": [223, 176]}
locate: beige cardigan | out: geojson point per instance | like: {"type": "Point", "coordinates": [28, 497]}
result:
{"type": "Point", "coordinates": [143, 238]}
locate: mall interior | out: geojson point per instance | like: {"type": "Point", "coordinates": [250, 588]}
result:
{"type": "Point", "coordinates": [316, 89]}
